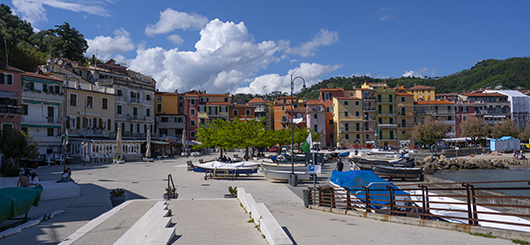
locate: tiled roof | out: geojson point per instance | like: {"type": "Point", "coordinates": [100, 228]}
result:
{"type": "Point", "coordinates": [256, 100]}
{"type": "Point", "coordinates": [49, 77]}
{"type": "Point", "coordinates": [404, 94]}
{"type": "Point", "coordinates": [347, 98]}
{"type": "Point", "coordinates": [483, 94]}
{"type": "Point", "coordinates": [332, 89]}
{"type": "Point", "coordinates": [420, 87]}
{"type": "Point", "coordinates": [433, 102]}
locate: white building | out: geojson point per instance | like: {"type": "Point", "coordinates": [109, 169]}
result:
{"type": "Point", "coordinates": [42, 100]}
{"type": "Point", "coordinates": [519, 105]}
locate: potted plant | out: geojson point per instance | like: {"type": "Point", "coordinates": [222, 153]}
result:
{"type": "Point", "coordinates": [117, 196]}
{"type": "Point", "coordinates": [171, 193]}
{"type": "Point", "coordinates": [233, 192]}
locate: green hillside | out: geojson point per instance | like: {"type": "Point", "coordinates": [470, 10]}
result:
{"type": "Point", "coordinates": [512, 73]}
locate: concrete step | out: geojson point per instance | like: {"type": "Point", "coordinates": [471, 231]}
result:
{"type": "Point", "coordinates": [163, 236]}
{"type": "Point", "coordinates": [149, 227]}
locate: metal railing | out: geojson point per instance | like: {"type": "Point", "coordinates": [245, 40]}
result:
{"type": "Point", "coordinates": [471, 203]}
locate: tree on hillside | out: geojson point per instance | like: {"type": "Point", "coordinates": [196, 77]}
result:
{"type": "Point", "coordinates": [504, 128]}
{"type": "Point", "coordinates": [475, 128]}
{"type": "Point", "coordinates": [15, 145]}
{"type": "Point", "coordinates": [430, 132]}
{"type": "Point", "coordinates": [65, 41]}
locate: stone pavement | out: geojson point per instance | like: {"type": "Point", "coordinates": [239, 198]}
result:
{"type": "Point", "coordinates": [199, 198]}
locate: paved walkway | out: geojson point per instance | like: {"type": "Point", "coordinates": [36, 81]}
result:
{"type": "Point", "coordinates": [201, 200]}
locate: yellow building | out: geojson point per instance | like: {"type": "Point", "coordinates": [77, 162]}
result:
{"type": "Point", "coordinates": [385, 116]}
{"type": "Point", "coordinates": [423, 93]}
{"type": "Point", "coordinates": [348, 119]}
{"type": "Point", "coordinates": [405, 117]}
{"type": "Point", "coordinates": [170, 119]}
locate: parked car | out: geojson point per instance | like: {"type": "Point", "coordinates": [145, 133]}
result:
{"type": "Point", "coordinates": [273, 149]}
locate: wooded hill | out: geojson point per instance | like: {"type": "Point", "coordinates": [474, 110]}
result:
{"type": "Point", "coordinates": [512, 73]}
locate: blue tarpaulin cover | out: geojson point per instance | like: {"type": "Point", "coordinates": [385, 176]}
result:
{"type": "Point", "coordinates": [15, 201]}
{"type": "Point", "coordinates": [355, 180]}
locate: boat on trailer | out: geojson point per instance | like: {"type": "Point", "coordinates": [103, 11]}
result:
{"type": "Point", "coordinates": [283, 175]}
{"type": "Point", "coordinates": [398, 172]}
{"type": "Point", "coordinates": [244, 167]}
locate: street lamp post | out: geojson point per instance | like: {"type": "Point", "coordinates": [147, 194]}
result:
{"type": "Point", "coordinates": [293, 179]}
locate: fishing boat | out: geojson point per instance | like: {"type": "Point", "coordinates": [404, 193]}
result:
{"type": "Point", "coordinates": [283, 175]}
{"type": "Point", "coordinates": [457, 210]}
{"type": "Point", "coordinates": [244, 167]}
{"type": "Point", "coordinates": [355, 182]}
{"type": "Point", "coordinates": [398, 172]}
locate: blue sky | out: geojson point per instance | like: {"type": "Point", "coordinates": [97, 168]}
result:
{"type": "Point", "coordinates": [254, 46]}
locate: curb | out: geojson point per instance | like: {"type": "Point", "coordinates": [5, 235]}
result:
{"type": "Point", "coordinates": [498, 233]}
{"type": "Point", "coordinates": [29, 224]}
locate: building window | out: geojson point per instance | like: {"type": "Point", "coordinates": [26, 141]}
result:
{"type": "Point", "coordinates": [90, 102]}
{"type": "Point", "coordinates": [147, 97]}
{"type": "Point", "coordinates": [358, 136]}
{"type": "Point", "coordinates": [315, 127]}
{"type": "Point", "coordinates": [464, 118]}
{"type": "Point", "coordinates": [192, 134]}
{"type": "Point", "coordinates": [104, 103]}
{"type": "Point", "coordinates": [159, 99]}
{"type": "Point", "coordinates": [330, 121]}
{"type": "Point", "coordinates": [357, 113]}
{"type": "Point", "coordinates": [331, 136]}
{"type": "Point", "coordinates": [118, 109]}
{"type": "Point", "coordinates": [235, 112]}
{"type": "Point", "coordinates": [226, 99]}
{"type": "Point", "coordinates": [192, 101]}
{"type": "Point", "coordinates": [346, 102]}
{"type": "Point", "coordinates": [347, 136]}
{"type": "Point", "coordinates": [367, 136]}
{"type": "Point", "coordinates": [24, 109]}
{"type": "Point", "coordinates": [403, 99]}
{"type": "Point", "coordinates": [192, 111]}
{"type": "Point", "coordinates": [164, 119]}
{"type": "Point", "coordinates": [346, 114]}
{"type": "Point", "coordinates": [192, 123]}
{"type": "Point", "coordinates": [159, 107]}
{"type": "Point", "coordinates": [120, 93]}
{"type": "Point", "coordinates": [6, 79]}
{"type": "Point", "coordinates": [73, 99]}
{"type": "Point", "coordinates": [50, 132]}
{"type": "Point", "coordinates": [283, 108]}
{"type": "Point", "coordinates": [315, 116]}
{"type": "Point", "coordinates": [247, 112]}
{"type": "Point", "coordinates": [147, 112]}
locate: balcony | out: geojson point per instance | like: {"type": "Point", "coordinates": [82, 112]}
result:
{"type": "Point", "coordinates": [386, 101]}
{"type": "Point", "coordinates": [171, 124]}
{"type": "Point", "coordinates": [384, 125]}
{"type": "Point", "coordinates": [11, 109]}
{"type": "Point", "coordinates": [134, 100]}
{"type": "Point", "coordinates": [213, 114]}
{"type": "Point", "coordinates": [369, 108]}
{"type": "Point", "coordinates": [406, 114]}
{"type": "Point", "coordinates": [450, 122]}
{"type": "Point", "coordinates": [443, 113]}
{"type": "Point", "coordinates": [386, 113]}
{"type": "Point", "coordinates": [369, 98]}
{"type": "Point", "coordinates": [405, 125]}
{"type": "Point", "coordinates": [137, 118]}
{"type": "Point", "coordinates": [88, 132]}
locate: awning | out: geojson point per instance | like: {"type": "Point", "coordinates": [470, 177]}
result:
{"type": "Point", "coordinates": [40, 125]}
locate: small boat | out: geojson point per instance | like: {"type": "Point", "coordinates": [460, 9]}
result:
{"type": "Point", "coordinates": [398, 172]}
{"type": "Point", "coordinates": [283, 175]}
{"type": "Point", "coordinates": [244, 167]}
{"type": "Point", "coordinates": [15, 201]}
{"type": "Point", "coordinates": [366, 163]}
{"type": "Point", "coordinates": [269, 165]}
{"type": "Point", "coordinates": [437, 204]}
{"type": "Point", "coordinates": [355, 181]}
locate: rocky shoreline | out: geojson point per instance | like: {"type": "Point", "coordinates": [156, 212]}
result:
{"type": "Point", "coordinates": [431, 164]}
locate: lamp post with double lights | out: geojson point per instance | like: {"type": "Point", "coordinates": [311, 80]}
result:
{"type": "Point", "coordinates": [293, 179]}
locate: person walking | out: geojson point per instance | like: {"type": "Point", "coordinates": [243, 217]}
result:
{"type": "Point", "coordinates": [340, 166]}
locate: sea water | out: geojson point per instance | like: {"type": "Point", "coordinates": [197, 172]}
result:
{"type": "Point", "coordinates": [492, 175]}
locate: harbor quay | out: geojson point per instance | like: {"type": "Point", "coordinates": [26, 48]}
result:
{"type": "Point", "coordinates": [202, 215]}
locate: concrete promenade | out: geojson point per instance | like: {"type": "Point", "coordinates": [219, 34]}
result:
{"type": "Point", "coordinates": [203, 216]}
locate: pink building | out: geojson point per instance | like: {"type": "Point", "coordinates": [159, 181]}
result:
{"type": "Point", "coordinates": [10, 97]}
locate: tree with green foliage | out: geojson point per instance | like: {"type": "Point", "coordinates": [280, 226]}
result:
{"type": "Point", "coordinates": [475, 128]}
{"type": "Point", "coordinates": [15, 145]}
{"type": "Point", "coordinates": [430, 132]}
{"type": "Point", "coordinates": [524, 135]}
{"type": "Point", "coordinates": [64, 41]}
{"type": "Point", "coordinates": [504, 128]}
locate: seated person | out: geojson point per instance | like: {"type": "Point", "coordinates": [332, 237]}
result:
{"type": "Point", "coordinates": [66, 176]}
{"type": "Point", "coordinates": [228, 160]}
{"type": "Point", "coordinates": [23, 180]}
{"type": "Point", "coordinates": [33, 180]}
{"type": "Point", "coordinates": [273, 158]}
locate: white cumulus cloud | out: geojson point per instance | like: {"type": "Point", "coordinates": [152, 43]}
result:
{"type": "Point", "coordinates": [175, 39]}
{"type": "Point", "coordinates": [225, 60]}
{"type": "Point", "coordinates": [324, 37]}
{"type": "Point", "coordinates": [171, 19]}
{"type": "Point", "coordinates": [34, 11]}
{"type": "Point", "coordinates": [420, 72]}
{"type": "Point", "coordinates": [107, 46]}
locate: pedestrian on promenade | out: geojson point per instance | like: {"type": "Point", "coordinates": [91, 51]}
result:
{"type": "Point", "coordinates": [340, 165]}
{"type": "Point", "coordinates": [23, 180]}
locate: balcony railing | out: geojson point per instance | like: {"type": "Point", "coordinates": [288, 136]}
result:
{"type": "Point", "coordinates": [406, 114]}
{"type": "Point", "coordinates": [386, 125]}
{"type": "Point", "coordinates": [405, 125]}
{"type": "Point", "coordinates": [369, 108]}
{"type": "Point", "coordinates": [10, 109]}
{"type": "Point", "coordinates": [369, 98]}
{"type": "Point", "coordinates": [134, 100]}
{"type": "Point", "coordinates": [385, 112]}
{"type": "Point", "coordinates": [369, 118]}
{"type": "Point", "coordinates": [450, 122]}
